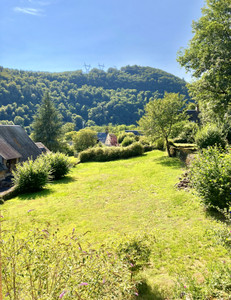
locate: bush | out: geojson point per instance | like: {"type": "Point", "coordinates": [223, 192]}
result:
{"type": "Point", "coordinates": [127, 141]}
{"type": "Point", "coordinates": [48, 267]}
{"type": "Point", "coordinates": [210, 135]}
{"type": "Point", "coordinates": [31, 176]}
{"type": "Point", "coordinates": [111, 153]}
{"type": "Point", "coordinates": [58, 163]}
{"type": "Point", "coordinates": [188, 133]}
{"type": "Point", "coordinates": [159, 144]}
{"type": "Point", "coordinates": [211, 177]}
{"type": "Point", "coordinates": [123, 135]}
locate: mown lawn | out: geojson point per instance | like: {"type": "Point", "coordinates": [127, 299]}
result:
{"type": "Point", "coordinates": [126, 197]}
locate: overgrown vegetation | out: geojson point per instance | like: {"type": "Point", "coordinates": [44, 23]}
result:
{"type": "Point", "coordinates": [41, 264]}
{"type": "Point", "coordinates": [210, 135]}
{"type": "Point", "coordinates": [211, 177]}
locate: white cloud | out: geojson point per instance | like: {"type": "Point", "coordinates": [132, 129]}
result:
{"type": "Point", "coordinates": [29, 11]}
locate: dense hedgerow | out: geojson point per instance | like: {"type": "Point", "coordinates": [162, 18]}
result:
{"type": "Point", "coordinates": [111, 153]}
{"type": "Point", "coordinates": [42, 265]}
{"type": "Point", "coordinates": [58, 164]}
{"type": "Point", "coordinates": [210, 135]}
{"type": "Point", "coordinates": [211, 177]}
{"type": "Point", "coordinates": [31, 176]}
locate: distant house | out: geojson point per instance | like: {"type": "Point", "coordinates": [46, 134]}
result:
{"type": "Point", "coordinates": [15, 146]}
{"type": "Point", "coordinates": [111, 140]}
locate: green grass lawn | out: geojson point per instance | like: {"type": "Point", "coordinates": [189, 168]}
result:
{"type": "Point", "coordinates": [113, 199]}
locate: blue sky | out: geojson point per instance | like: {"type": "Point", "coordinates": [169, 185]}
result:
{"type": "Point", "coordinates": [62, 35]}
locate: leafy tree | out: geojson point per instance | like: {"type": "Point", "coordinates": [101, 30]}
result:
{"type": "Point", "coordinates": [47, 124]}
{"type": "Point", "coordinates": [208, 57]}
{"type": "Point", "coordinates": [160, 116]}
{"type": "Point", "coordinates": [85, 138]}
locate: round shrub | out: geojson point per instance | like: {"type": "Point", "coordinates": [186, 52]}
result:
{"type": "Point", "coordinates": [211, 177]}
{"type": "Point", "coordinates": [59, 164]}
{"type": "Point", "coordinates": [127, 141]}
{"type": "Point", "coordinates": [210, 135]}
{"type": "Point", "coordinates": [31, 176]}
{"type": "Point", "coordinates": [123, 135]}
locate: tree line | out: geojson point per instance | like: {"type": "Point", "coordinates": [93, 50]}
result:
{"type": "Point", "coordinates": [86, 99]}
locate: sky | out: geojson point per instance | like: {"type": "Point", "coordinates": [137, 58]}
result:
{"type": "Point", "coordinates": [64, 35]}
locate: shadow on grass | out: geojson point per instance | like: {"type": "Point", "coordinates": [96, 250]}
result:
{"type": "Point", "coordinates": [64, 180]}
{"type": "Point", "coordinates": [32, 196]}
{"type": "Point", "coordinates": [45, 192]}
{"type": "Point", "coordinates": [148, 293]}
{"type": "Point", "coordinates": [217, 215]}
{"type": "Point", "coordinates": [171, 162]}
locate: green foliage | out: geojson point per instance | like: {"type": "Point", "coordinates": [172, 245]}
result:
{"type": "Point", "coordinates": [59, 164]}
{"type": "Point", "coordinates": [31, 176]}
{"type": "Point", "coordinates": [210, 135]}
{"type": "Point", "coordinates": [211, 177]}
{"type": "Point", "coordinates": [161, 114]}
{"type": "Point", "coordinates": [111, 153]}
{"type": "Point", "coordinates": [47, 124]}
{"type": "Point", "coordinates": [83, 139]}
{"type": "Point", "coordinates": [43, 265]}
{"type": "Point", "coordinates": [127, 141]}
{"type": "Point", "coordinates": [123, 135]}
{"type": "Point", "coordinates": [115, 96]}
{"type": "Point", "coordinates": [188, 133]}
{"type": "Point", "coordinates": [208, 58]}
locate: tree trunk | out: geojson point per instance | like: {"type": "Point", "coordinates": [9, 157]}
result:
{"type": "Point", "coordinates": [167, 146]}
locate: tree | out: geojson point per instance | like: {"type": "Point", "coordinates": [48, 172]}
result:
{"type": "Point", "coordinates": [85, 138]}
{"type": "Point", "coordinates": [47, 124]}
{"type": "Point", "coordinates": [208, 56]}
{"type": "Point", "coordinates": [160, 116]}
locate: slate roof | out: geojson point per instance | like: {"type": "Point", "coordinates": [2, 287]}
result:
{"type": "Point", "coordinates": [101, 136]}
{"type": "Point", "coordinates": [7, 152]}
{"type": "Point", "coordinates": [193, 115]}
{"type": "Point", "coordinates": [18, 139]}
{"type": "Point", "coordinates": [42, 147]}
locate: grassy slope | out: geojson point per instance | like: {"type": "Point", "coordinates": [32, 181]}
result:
{"type": "Point", "coordinates": [129, 196]}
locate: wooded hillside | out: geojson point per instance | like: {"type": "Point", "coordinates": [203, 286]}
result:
{"type": "Point", "coordinates": [97, 97]}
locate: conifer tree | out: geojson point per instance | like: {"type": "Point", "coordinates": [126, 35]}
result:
{"type": "Point", "coordinates": [47, 124]}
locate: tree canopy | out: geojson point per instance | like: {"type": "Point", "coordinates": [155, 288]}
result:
{"type": "Point", "coordinates": [96, 98]}
{"type": "Point", "coordinates": [208, 57]}
{"type": "Point", "coordinates": [160, 116]}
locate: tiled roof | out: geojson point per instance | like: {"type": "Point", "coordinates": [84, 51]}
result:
{"type": "Point", "coordinates": [8, 152]}
{"type": "Point", "coordinates": [18, 139]}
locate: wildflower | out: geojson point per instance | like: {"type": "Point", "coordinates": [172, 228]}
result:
{"type": "Point", "coordinates": [131, 265]}
{"type": "Point", "coordinates": [136, 294]}
{"type": "Point", "coordinates": [83, 283]}
{"type": "Point", "coordinates": [30, 210]}
{"type": "Point", "coordinates": [185, 286]}
{"type": "Point", "coordinates": [62, 294]}
{"type": "Point", "coordinates": [104, 281]}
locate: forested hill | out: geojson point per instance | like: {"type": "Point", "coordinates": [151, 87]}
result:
{"type": "Point", "coordinates": [98, 97]}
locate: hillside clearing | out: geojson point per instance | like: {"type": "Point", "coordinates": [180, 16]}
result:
{"type": "Point", "coordinates": [127, 197]}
